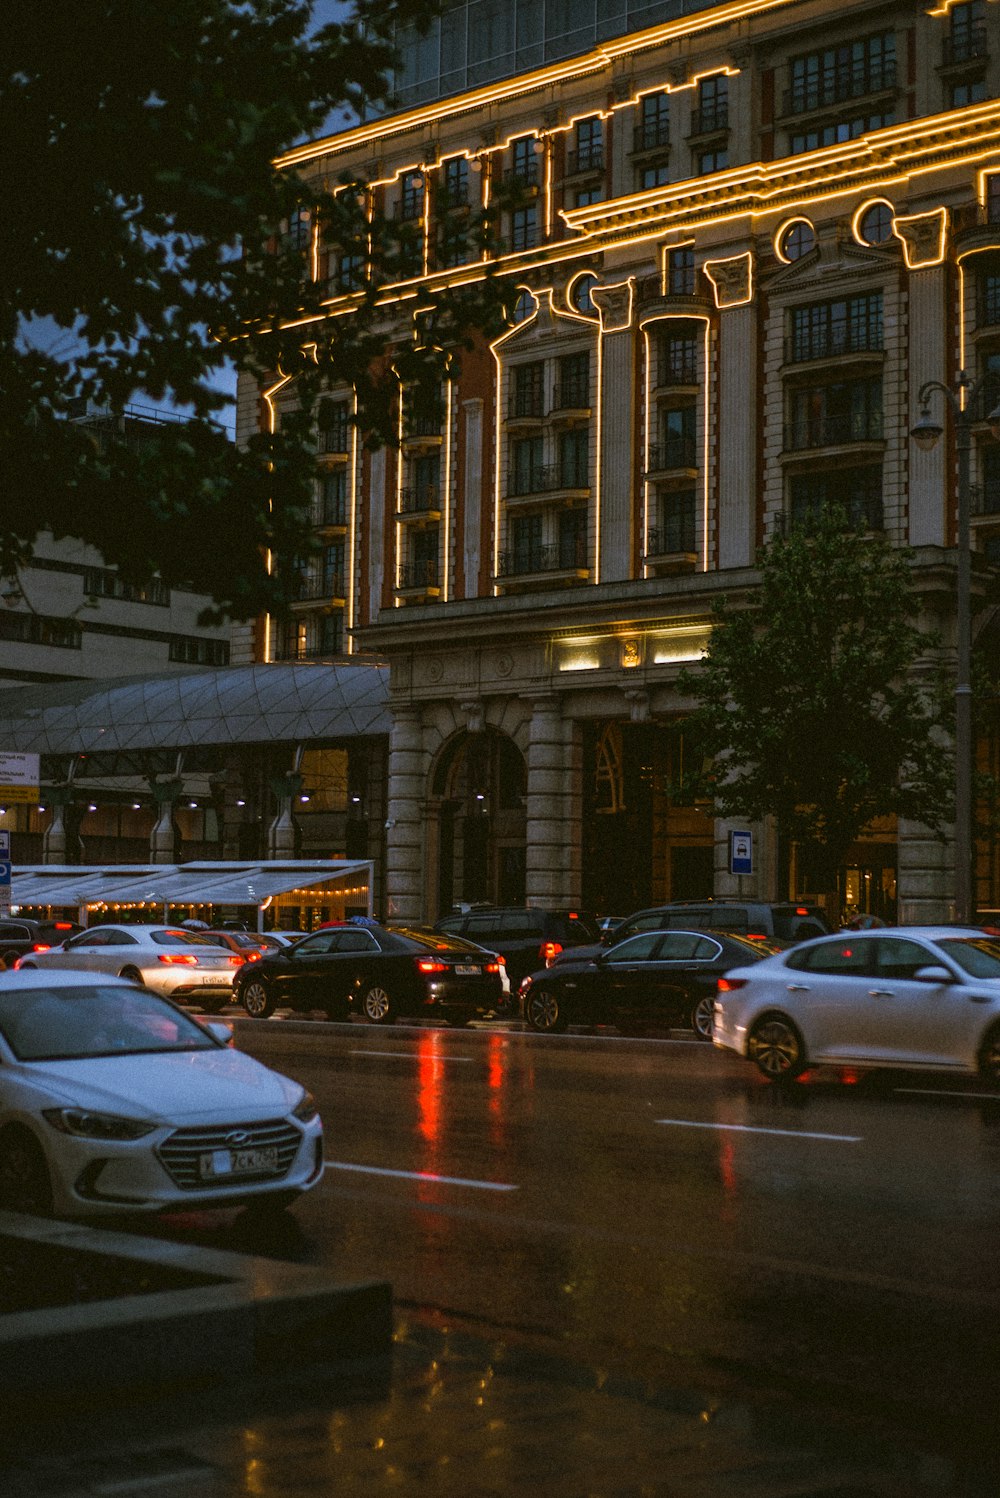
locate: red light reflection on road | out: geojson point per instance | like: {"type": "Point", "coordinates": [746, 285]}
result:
{"type": "Point", "coordinates": [430, 1074]}
{"type": "Point", "coordinates": [496, 1076]}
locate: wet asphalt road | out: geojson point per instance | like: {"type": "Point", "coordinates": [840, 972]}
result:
{"type": "Point", "coordinates": [656, 1208]}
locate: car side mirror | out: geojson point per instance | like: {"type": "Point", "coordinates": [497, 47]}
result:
{"type": "Point", "coordinates": [934, 974]}
{"type": "Point", "coordinates": [221, 1031]}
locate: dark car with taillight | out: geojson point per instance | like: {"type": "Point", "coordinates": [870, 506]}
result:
{"type": "Point", "coordinates": [657, 980]}
{"type": "Point", "coordinates": [20, 935]}
{"type": "Point", "coordinates": [379, 972]}
{"type": "Point", "coordinates": [527, 937]}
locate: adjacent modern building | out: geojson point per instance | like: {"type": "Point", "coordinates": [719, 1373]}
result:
{"type": "Point", "coordinates": [738, 238]}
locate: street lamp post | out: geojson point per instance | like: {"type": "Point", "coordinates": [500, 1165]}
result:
{"type": "Point", "coordinates": [964, 403]}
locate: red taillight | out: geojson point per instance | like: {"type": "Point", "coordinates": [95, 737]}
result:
{"type": "Point", "coordinates": [492, 967]}
{"type": "Point", "coordinates": [801, 910]}
{"type": "Point", "coordinates": [549, 949]}
{"type": "Point", "coordinates": [237, 961]}
{"type": "Point", "coordinates": [41, 946]}
{"type": "Point", "coordinates": [62, 925]}
{"type": "Point", "coordinates": [756, 936]}
{"type": "Point", "coordinates": [428, 965]}
{"type": "Point", "coordinates": [177, 959]}
{"type": "Point", "coordinates": [250, 957]}
{"type": "Point", "coordinates": [16, 966]}
{"type": "Point", "coordinates": [730, 985]}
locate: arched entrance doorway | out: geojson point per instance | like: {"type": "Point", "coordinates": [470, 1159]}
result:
{"type": "Point", "coordinates": [479, 787]}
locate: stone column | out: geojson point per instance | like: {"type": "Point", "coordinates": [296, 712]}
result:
{"type": "Point", "coordinates": [404, 875]}
{"type": "Point", "coordinates": [164, 838]}
{"type": "Point", "coordinates": [928, 361]}
{"type": "Point", "coordinates": [472, 500]}
{"type": "Point", "coordinates": [59, 845]}
{"type": "Point", "coordinates": [376, 541]}
{"type": "Point", "coordinates": [617, 477]}
{"type": "Point", "coordinates": [553, 807]}
{"type": "Point", "coordinates": [925, 892]}
{"type": "Point", "coordinates": [737, 408]}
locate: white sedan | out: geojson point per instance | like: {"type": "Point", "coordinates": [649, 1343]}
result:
{"type": "Point", "coordinates": [113, 1100]}
{"type": "Point", "coordinates": [905, 996]}
{"type": "Point", "coordinates": [188, 965]}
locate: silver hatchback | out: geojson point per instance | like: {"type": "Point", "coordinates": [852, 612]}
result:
{"type": "Point", "coordinates": [180, 964]}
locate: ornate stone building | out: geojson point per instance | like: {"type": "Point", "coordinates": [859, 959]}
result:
{"type": "Point", "coordinates": [741, 240]}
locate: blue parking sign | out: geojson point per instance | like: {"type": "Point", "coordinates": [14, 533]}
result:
{"type": "Point", "coordinates": [741, 852]}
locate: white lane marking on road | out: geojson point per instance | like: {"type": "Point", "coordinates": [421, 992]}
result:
{"type": "Point", "coordinates": [409, 1056]}
{"type": "Point", "coordinates": [419, 1175]}
{"type": "Point", "coordinates": [989, 1097]}
{"type": "Point", "coordinates": [687, 1123]}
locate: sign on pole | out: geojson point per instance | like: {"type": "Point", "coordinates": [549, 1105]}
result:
{"type": "Point", "coordinates": [4, 873]}
{"type": "Point", "coordinates": [741, 852]}
{"type": "Point", "coordinates": [18, 779]}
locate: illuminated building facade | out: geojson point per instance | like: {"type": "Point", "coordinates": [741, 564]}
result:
{"type": "Point", "coordinates": [740, 242]}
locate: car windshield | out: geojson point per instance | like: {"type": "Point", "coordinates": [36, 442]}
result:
{"type": "Point", "coordinates": [168, 938]}
{"type": "Point", "coordinates": [977, 956]}
{"type": "Point", "coordinates": [65, 1024]}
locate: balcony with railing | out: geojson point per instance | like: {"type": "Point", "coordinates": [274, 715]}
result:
{"type": "Point", "coordinates": [672, 546]}
{"type": "Point", "coordinates": [676, 369]}
{"type": "Point", "coordinates": [966, 48]}
{"type": "Point", "coordinates": [976, 226]}
{"type": "Point", "coordinates": [584, 161]}
{"type": "Point", "coordinates": [570, 398]}
{"type": "Point", "coordinates": [712, 120]}
{"type": "Point", "coordinates": [526, 405]}
{"type": "Point", "coordinates": [839, 340]}
{"type": "Point", "coordinates": [419, 579]}
{"type": "Point", "coordinates": [564, 562]}
{"type": "Point", "coordinates": [984, 499]}
{"type": "Point", "coordinates": [422, 431]}
{"type": "Point", "coordinates": [651, 136]}
{"type": "Point", "coordinates": [658, 295]}
{"type": "Point", "coordinates": [839, 86]}
{"type": "Point", "coordinates": [334, 441]}
{"type": "Point", "coordinates": [673, 454]}
{"type": "Point", "coordinates": [842, 430]}
{"type": "Point", "coordinates": [543, 480]}
{"type": "Point", "coordinates": [988, 301]}
{"type": "Point", "coordinates": [317, 586]}
{"type": "Point", "coordinates": [864, 510]}
{"type": "Point", "coordinates": [330, 514]}
{"type": "Point", "coordinates": [420, 502]}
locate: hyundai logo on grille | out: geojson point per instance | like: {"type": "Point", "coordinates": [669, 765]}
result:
{"type": "Point", "coordinates": [236, 1138]}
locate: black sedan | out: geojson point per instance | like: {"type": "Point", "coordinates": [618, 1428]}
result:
{"type": "Point", "coordinates": [656, 980]}
{"type": "Point", "coordinates": [380, 972]}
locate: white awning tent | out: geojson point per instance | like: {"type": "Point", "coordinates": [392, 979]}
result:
{"type": "Point", "coordinates": [334, 886]}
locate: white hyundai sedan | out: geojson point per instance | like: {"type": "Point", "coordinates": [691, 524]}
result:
{"type": "Point", "coordinates": [113, 1100]}
{"type": "Point", "coordinates": [905, 996]}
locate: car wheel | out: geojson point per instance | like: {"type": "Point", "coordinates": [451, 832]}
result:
{"type": "Point", "coordinates": [25, 1185]}
{"type": "Point", "coordinates": [132, 974]}
{"type": "Point", "coordinates": [989, 1057]}
{"type": "Point", "coordinates": [777, 1047]}
{"type": "Point", "coordinates": [701, 1016]}
{"type": "Point", "coordinates": [377, 1007]}
{"type": "Point", "coordinates": [256, 999]}
{"type": "Point", "coordinates": [543, 1011]}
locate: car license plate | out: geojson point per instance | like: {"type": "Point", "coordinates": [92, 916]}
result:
{"type": "Point", "coordinates": [237, 1162]}
{"type": "Point", "coordinates": [467, 971]}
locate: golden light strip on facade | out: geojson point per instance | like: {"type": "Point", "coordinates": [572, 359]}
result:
{"type": "Point", "coordinates": [398, 530]}
{"type": "Point", "coordinates": [352, 543]}
{"type": "Point", "coordinates": [717, 284]}
{"type": "Point", "coordinates": [779, 234]}
{"type": "Point", "coordinates": [272, 426]}
{"type": "Point", "coordinates": [938, 251]}
{"type": "Point", "coordinates": [578, 67]}
{"type": "Point", "coordinates": [648, 484]}
{"type": "Point", "coordinates": [450, 398]}
{"type": "Point", "coordinates": [495, 347]}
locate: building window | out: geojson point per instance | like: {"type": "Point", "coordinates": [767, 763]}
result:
{"type": "Point", "coordinates": [675, 531]}
{"type": "Point", "coordinates": [573, 538]}
{"type": "Point", "coordinates": [422, 569]}
{"type": "Point", "coordinates": [455, 182]}
{"type": "Point", "coordinates": [197, 651]}
{"type": "Point", "coordinates": [526, 465]}
{"type": "Point", "coordinates": [967, 40]}
{"type": "Point", "coordinates": [104, 582]}
{"type": "Point", "coordinates": [993, 198]}
{"type": "Point", "coordinates": [676, 447]}
{"type": "Point", "coordinates": [350, 273]}
{"type": "Point", "coordinates": [411, 195]}
{"type": "Point", "coordinates": [587, 154]}
{"type": "Point", "coordinates": [524, 307]}
{"type": "Point", "coordinates": [654, 176]}
{"type": "Point", "coordinates": [426, 475]}
{"type": "Point", "coordinates": [527, 396]}
{"type": "Point", "coordinates": [798, 240]}
{"type": "Point", "coordinates": [676, 359]}
{"type": "Point", "coordinates": [680, 272]}
{"type": "Point", "coordinates": [581, 297]}
{"type": "Point", "coordinates": [573, 390]}
{"type": "Point", "coordinates": [526, 543]}
{"type": "Point", "coordinates": [331, 507]}
{"type": "Point", "coordinates": [574, 459]}
{"type": "Point", "coordinates": [876, 225]}
{"type": "Point", "coordinates": [653, 129]}
{"type": "Point", "coordinates": [524, 228]}
{"type": "Point", "coordinates": [712, 161]}
{"type": "Point", "coordinates": [837, 74]}
{"type": "Point", "coordinates": [584, 196]}
{"type": "Point", "coordinates": [712, 112]}
{"type": "Point", "coordinates": [974, 92]}
{"type": "Point", "coordinates": [824, 330]}
{"type": "Point", "coordinates": [835, 134]}
{"type": "Point", "coordinates": [45, 629]}
{"type": "Point", "coordinates": [988, 298]}
{"type": "Point", "coordinates": [330, 635]}
{"type": "Point", "coordinates": [855, 491]}
{"type": "Point", "coordinates": [298, 235]}
{"type": "Point", "coordinates": [334, 427]}
{"type": "Point", "coordinates": [453, 245]}
{"type": "Point", "coordinates": [832, 414]}
{"type": "Point", "coordinates": [524, 160]}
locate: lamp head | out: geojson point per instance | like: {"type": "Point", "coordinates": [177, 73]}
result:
{"type": "Point", "coordinates": [926, 432]}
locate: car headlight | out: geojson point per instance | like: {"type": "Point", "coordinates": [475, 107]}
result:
{"type": "Point", "coordinates": [87, 1125]}
{"type": "Point", "coordinates": [306, 1109]}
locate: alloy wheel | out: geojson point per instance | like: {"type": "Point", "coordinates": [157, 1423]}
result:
{"type": "Point", "coordinates": [775, 1047]}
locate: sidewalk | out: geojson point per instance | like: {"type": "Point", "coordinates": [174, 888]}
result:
{"type": "Point", "coordinates": [467, 1417]}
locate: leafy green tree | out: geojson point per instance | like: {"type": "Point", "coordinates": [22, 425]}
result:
{"type": "Point", "coordinates": [150, 243]}
{"type": "Point", "coordinates": [820, 702]}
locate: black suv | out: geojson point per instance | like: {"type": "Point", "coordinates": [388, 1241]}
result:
{"type": "Point", "coordinates": [783, 923]}
{"type": "Point", "coordinates": [19, 935]}
{"type": "Point", "coordinates": [526, 937]}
